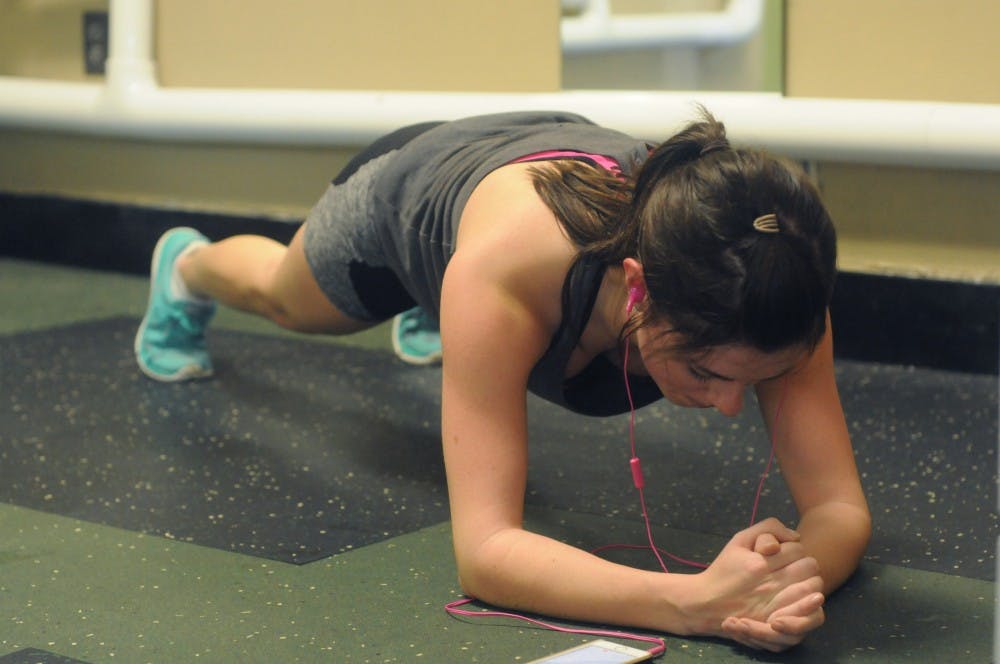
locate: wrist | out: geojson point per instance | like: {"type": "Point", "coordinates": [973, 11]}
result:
{"type": "Point", "coordinates": [691, 610]}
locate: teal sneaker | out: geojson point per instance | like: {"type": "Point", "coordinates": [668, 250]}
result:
{"type": "Point", "coordinates": [416, 337]}
{"type": "Point", "coordinates": [170, 343]}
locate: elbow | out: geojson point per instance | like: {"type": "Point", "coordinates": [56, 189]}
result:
{"type": "Point", "coordinates": [466, 576]}
{"type": "Point", "coordinates": [863, 527]}
{"type": "Point", "coordinates": [467, 584]}
{"type": "Point", "coordinates": [481, 569]}
{"type": "Point", "coordinates": [856, 532]}
{"type": "Point", "coordinates": [855, 524]}
{"type": "Point", "coordinates": [476, 578]}
{"type": "Point", "coordinates": [856, 536]}
{"type": "Point", "coordinates": [837, 535]}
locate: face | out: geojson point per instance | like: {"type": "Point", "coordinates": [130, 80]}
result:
{"type": "Point", "coordinates": [714, 379]}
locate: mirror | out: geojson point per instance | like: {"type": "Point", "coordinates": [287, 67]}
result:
{"type": "Point", "coordinates": [719, 45]}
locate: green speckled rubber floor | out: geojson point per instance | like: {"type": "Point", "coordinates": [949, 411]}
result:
{"type": "Point", "coordinates": [82, 591]}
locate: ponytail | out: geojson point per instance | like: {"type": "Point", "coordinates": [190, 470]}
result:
{"type": "Point", "coordinates": [699, 139]}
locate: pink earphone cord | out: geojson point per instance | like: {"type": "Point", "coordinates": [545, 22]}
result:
{"type": "Point", "coordinates": [639, 482]}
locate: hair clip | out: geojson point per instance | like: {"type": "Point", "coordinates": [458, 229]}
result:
{"type": "Point", "coordinates": [767, 223]}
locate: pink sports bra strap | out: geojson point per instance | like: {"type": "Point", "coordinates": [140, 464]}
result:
{"type": "Point", "coordinates": [601, 160]}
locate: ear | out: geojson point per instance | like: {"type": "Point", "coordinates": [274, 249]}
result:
{"type": "Point", "coordinates": [634, 277]}
{"type": "Point", "coordinates": [635, 282]}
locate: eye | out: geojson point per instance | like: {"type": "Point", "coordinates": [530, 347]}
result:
{"type": "Point", "coordinates": [698, 374]}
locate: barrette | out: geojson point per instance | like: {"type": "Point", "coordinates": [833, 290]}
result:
{"type": "Point", "coordinates": [767, 223]}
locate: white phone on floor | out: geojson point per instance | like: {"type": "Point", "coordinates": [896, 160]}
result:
{"type": "Point", "coordinates": [596, 652]}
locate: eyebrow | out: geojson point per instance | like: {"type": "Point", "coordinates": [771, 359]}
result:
{"type": "Point", "coordinates": [718, 376]}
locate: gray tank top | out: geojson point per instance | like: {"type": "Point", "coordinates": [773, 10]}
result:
{"type": "Point", "coordinates": [418, 201]}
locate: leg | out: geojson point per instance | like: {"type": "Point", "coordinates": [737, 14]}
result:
{"type": "Point", "coordinates": [264, 277]}
{"type": "Point", "coordinates": [261, 276]}
{"type": "Point", "coordinates": [251, 273]}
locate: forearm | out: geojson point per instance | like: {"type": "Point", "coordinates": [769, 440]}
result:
{"type": "Point", "coordinates": [530, 572]}
{"type": "Point", "coordinates": [836, 535]}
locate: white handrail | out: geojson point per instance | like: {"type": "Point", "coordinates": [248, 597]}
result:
{"type": "Point", "coordinates": [597, 29]}
{"type": "Point", "coordinates": [130, 103]}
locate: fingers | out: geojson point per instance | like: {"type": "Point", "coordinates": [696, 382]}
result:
{"type": "Point", "coordinates": [779, 633]}
{"type": "Point", "coordinates": [800, 591]}
{"type": "Point", "coordinates": [792, 557]}
{"type": "Point", "coordinates": [782, 567]}
{"type": "Point", "coordinates": [799, 573]}
{"type": "Point", "coordinates": [758, 635]}
{"type": "Point", "coordinates": [766, 544]}
{"type": "Point", "coordinates": [798, 625]}
{"type": "Point", "coordinates": [778, 530]}
{"type": "Point", "coordinates": [801, 601]}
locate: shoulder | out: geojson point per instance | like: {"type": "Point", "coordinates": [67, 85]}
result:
{"type": "Point", "coordinates": [510, 239]}
{"type": "Point", "coordinates": [505, 198]}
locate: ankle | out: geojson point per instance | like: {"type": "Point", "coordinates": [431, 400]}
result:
{"type": "Point", "coordinates": [180, 283]}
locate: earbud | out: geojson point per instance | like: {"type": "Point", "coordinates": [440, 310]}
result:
{"type": "Point", "coordinates": [635, 295]}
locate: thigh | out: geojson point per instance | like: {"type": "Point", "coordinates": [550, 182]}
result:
{"type": "Point", "coordinates": [306, 306]}
{"type": "Point", "coordinates": [345, 243]}
{"type": "Point", "coordinates": [340, 246]}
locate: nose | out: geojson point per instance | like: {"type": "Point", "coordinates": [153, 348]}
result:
{"type": "Point", "coordinates": [728, 399]}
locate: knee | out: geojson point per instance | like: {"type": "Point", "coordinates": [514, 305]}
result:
{"type": "Point", "coordinates": [281, 314]}
{"type": "Point", "coordinates": [299, 314]}
{"type": "Point", "coordinates": [299, 305]}
{"type": "Point", "coordinates": [261, 297]}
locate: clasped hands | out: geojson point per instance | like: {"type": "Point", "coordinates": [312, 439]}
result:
{"type": "Point", "coordinates": [763, 586]}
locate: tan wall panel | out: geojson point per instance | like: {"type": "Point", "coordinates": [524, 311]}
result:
{"type": "Point", "coordinates": [376, 44]}
{"type": "Point", "coordinates": [901, 220]}
{"type": "Point", "coordinates": [426, 44]}
{"type": "Point", "coordinates": [933, 206]}
{"type": "Point", "coordinates": [942, 224]}
{"type": "Point", "coordinates": [271, 181]}
{"type": "Point", "coordinates": [894, 49]}
{"type": "Point", "coordinates": [381, 44]}
{"type": "Point", "coordinates": [44, 39]}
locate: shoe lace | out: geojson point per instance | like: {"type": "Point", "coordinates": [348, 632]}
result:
{"type": "Point", "coordinates": [191, 317]}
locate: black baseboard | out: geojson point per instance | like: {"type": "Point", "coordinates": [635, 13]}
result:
{"type": "Point", "coordinates": [109, 236]}
{"type": "Point", "coordinates": [895, 320]}
{"type": "Point", "coordinates": [923, 322]}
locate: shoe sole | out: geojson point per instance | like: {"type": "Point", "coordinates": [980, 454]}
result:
{"type": "Point", "coordinates": [188, 373]}
{"type": "Point", "coordinates": [406, 357]}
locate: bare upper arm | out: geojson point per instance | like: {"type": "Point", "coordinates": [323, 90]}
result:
{"type": "Point", "coordinates": [499, 305]}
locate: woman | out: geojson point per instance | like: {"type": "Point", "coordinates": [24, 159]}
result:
{"type": "Point", "coordinates": [547, 246]}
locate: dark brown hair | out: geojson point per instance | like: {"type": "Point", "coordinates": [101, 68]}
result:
{"type": "Point", "coordinates": [688, 217]}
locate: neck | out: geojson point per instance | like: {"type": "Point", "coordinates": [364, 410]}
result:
{"type": "Point", "coordinates": [609, 317]}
